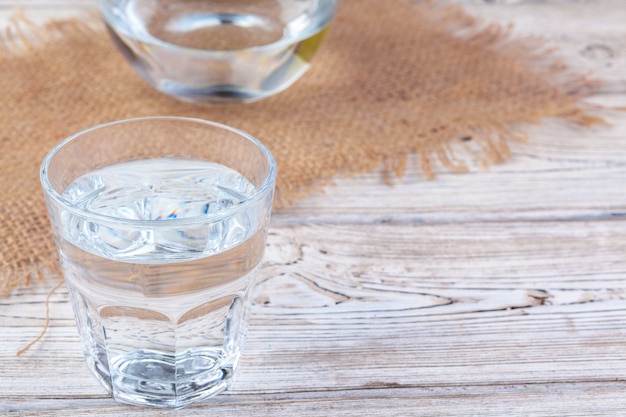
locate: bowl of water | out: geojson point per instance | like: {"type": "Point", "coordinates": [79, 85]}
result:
{"type": "Point", "coordinates": [219, 51]}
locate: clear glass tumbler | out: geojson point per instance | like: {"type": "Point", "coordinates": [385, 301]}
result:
{"type": "Point", "coordinates": [160, 225]}
{"type": "Point", "coordinates": [219, 50]}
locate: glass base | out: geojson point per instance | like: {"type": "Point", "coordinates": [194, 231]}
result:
{"type": "Point", "coordinates": [221, 93]}
{"type": "Point", "coordinates": [155, 379]}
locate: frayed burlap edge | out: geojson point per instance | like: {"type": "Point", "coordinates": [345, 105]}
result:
{"type": "Point", "coordinates": [491, 140]}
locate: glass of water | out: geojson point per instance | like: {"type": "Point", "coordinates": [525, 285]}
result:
{"type": "Point", "coordinates": [160, 225]}
{"type": "Point", "coordinates": [218, 50]}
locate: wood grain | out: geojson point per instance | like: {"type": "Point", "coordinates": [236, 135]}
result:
{"type": "Point", "coordinates": [497, 292]}
{"type": "Point", "coordinates": [417, 309]}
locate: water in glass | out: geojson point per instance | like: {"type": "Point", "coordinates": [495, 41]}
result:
{"type": "Point", "coordinates": [219, 50]}
{"type": "Point", "coordinates": [183, 287]}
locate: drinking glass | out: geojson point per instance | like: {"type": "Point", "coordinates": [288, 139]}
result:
{"type": "Point", "coordinates": [160, 225]}
{"type": "Point", "coordinates": [218, 50]}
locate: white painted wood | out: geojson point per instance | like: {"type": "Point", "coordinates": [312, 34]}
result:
{"type": "Point", "coordinates": [593, 42]}
{"type": "Point", "coordinates": [498, 292]}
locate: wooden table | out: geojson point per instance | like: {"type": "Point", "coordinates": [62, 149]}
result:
{"type": "Point", "coordinates": [498, 292]}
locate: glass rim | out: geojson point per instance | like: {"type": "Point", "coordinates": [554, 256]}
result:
{"type": "Point", "coordinates": [104, 14]}
{"type": "Point", "coordinates": [266, 186]}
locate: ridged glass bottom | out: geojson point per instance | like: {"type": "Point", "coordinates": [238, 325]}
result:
{"type": "Point", "coordinates": [156, 379]}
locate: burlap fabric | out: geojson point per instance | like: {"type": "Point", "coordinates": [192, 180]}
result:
{"type": "Point", "coordinates": [394, 78]}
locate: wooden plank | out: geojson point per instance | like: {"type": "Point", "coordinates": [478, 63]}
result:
{"type": "Point", "coordinates": [446, 306]}
{"type": "Point", "coordinates": [561, 172]}
{"type": "Point", "coordinates": [589, 37]}
{"type": "Point", "coordinates": [577, 399]}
